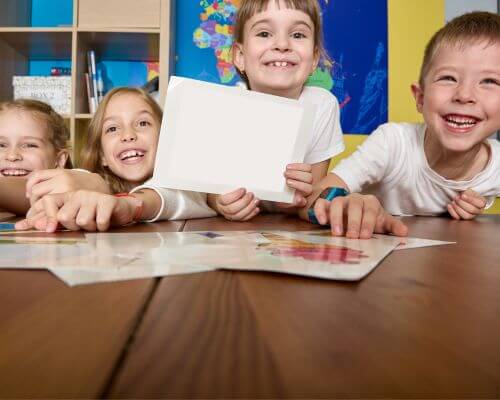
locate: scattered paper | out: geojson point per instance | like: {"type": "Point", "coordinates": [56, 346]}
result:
{"type": "Point", "coordinates": [413, 243]}
{"type": "Point", "coordinates": [107, 257]}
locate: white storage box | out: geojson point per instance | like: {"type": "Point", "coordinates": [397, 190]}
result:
{"type": "Point", "coordinates": [54, 90]}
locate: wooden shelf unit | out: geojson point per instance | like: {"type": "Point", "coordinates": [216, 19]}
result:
{"type": "Point", "coordinates": [124, 30]}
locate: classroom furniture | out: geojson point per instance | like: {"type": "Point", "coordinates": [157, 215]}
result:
{"type": "Point", "coordinates": [127, 30]}
{"type": "Point", "coordinates": [424, 323]}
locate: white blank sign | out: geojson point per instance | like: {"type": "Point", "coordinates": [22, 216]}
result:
{"type": "Point", "coordinates": [216, 139]}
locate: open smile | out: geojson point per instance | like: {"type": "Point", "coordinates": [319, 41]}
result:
{"type": "Point", "coordinates": [14, 172]}
{"type": "Point", "coordinates": [131, 156]}
{"type": "Point", "coordinates": [280, 64]}
{"type": "Point", "coordinates": [460, 123]}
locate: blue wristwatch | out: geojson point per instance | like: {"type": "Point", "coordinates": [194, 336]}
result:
{"type": "Point", "coordinates": [328, 194]}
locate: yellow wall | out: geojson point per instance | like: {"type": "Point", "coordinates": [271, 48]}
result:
{"type": "Point", "coordinates": [411, 25]}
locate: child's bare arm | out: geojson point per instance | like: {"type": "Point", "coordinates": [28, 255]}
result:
{"type": "Point", "coordinates": [89, 210]}
{"type": "Point", "coordinates": [60, 180]}
{"type": "Point", "coordinates": [13, 195]}
{"type": "Point", "coordinates": [151, 203]}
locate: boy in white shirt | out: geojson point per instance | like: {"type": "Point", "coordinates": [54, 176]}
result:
{"type": "Point", "coordinates": [444, 165]}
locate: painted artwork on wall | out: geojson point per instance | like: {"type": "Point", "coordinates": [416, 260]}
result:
{"type": "Point", "coordinates": [355, 36]}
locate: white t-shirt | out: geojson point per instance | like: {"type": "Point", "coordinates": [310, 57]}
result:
{"type": "Point", "coordinates": [326, 138]}
{"type": "Point", "coordinates": [391, 164]}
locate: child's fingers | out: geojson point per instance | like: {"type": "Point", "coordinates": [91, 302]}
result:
{"type": "Point", "coordinates": [354, 216]}
{"type": "Point", "coordinates": [305, 189]}
{"type": "Point", "coordinates": [473, 198]}
{"type": "Point", "coordinates": [298, 200]}
{"type": "Point", "coordinates": [86, 216]}
{"type": "Point", "coordinates": [472, 193]}
{"type": "Point", "coordinates": [37, 177]}
{"type": "Point", "coordinates": [464, 214]}
{"type": "Point", "coordinates": [39, 190]}
{"type": "Point", "coordinates": [22, 225]}
{"type": "Point", "coordinates": [46, 224]}
{"type": "Point", "coordinates": [253, 214]}
{"type": "Point", "coordinates": [244, 212]}
{"type": "Point", "coordinates": [452, 212]}
{"type": "Point", "coordinates": [51, 205]}
{"type": "Point", "coordinates": [104, 212]}
{"type": "Point", "coordinates": [68, 213]}
{"type": "Point", "coordinates": [362, 217]}
{"type": "Point", "coordinates": [390, 224]}
{"type": "Point", "coordinates": [31, 222]}
{"type": "Point", "coordinates": [248, 213]}
{"type": "Point", "coordinates": [322, 210]}
{"type": "Point", "coordinates": [466, 206]}
{"type": "Point", "coordinates": [299, 167]}
{"type": "Point", "coordinates": [299, 176]}
{"type": "Point", "coordinates": [41, 223]}
{"type": "Point", "coordinates": [337, 210]}
{"type": "Point", "coordinates": [370, 214]}
{"type": "Point", "coordinates": [237, 206]}
{"type": "Point", "coordinates": [231, 197]}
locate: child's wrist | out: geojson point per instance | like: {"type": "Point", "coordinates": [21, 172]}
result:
{"type": "Point", "coordinates": [327, 194]}
{"type": "Point", "coordinates": [139, 208]}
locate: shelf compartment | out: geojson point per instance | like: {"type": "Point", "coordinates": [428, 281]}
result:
{"type": "Point", "coordinates": [39, 43]}
{"type": "Point", "coordinates": [122, 46]}
{"type": "Point", "coordinates": [111, 46]}
{"type": "Point", "coordinates": [20, 46]}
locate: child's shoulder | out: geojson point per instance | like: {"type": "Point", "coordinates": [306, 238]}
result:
{"type": "Point", "coordinates": [318, 95]}
{"type": "Point", "coordinates": [406, 129]}
{"type": "Point", "coordinates": [400, 134]}
{"type": "Point", "coordinates": [495, 148]}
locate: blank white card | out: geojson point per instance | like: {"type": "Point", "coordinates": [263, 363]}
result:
{"type": "Point", "coordinates": [216, 139]}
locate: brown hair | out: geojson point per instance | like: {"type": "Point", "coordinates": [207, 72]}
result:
{"type": "Point", "coordinates": [463, 30]}
{"type": "Point", "coordinates": [249, 8]}
{"type": "Point", "coordinates": [57, 129]}
{"type": "Point", "coordinates": [91, 153]}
